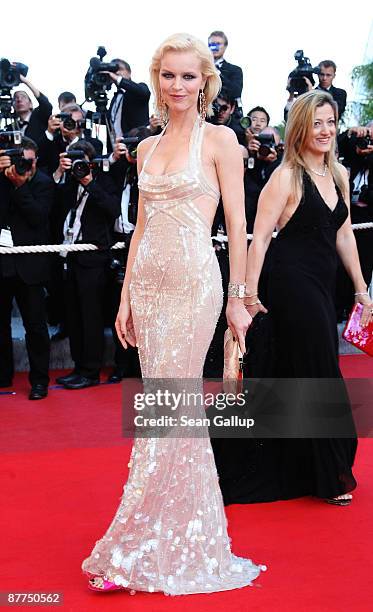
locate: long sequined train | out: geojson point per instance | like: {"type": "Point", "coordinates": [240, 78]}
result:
{"type": "Point", "coordinates": [170, 531]}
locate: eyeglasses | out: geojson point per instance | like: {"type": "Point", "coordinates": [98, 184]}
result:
{"type": "Point", "coordinates": [223, 108]}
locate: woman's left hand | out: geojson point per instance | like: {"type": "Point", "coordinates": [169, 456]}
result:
{"type": "Point", "coordinates": [367, 314]}
{"type": "Point", "coordinates": [238, 320]}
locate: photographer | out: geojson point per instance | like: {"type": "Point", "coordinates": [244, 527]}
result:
{"type": "Point", "coordinates": [86, 207]}
{"type": "Point", "coordinates": [231, 75]}
{"type": "Point", "coordinates": [66, 97]}
{"type": "Point", "coordinates": [326, 76]}
{"type": "Point", "coordinates": [265, 155]}
{"type": "Point", "coordinates": [124, 172]}
{"type": "Point", "coordinates": [355, 146]}
{"type": "Point", "coordinates": [224, 107]}
{"type": "Point", "coordinates": [129, 107]}
{"type": "Point", "coordinates": [301, 80]}
{"type": "Point", "coordinates": [31, 122]}
{"type": "Point", "coordinates": [26, 197]}
{"type": "Point", "coordinates": [63, 131]}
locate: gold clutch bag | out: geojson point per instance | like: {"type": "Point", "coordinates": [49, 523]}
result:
{"type": "Point", "coordinates": [233, 363]}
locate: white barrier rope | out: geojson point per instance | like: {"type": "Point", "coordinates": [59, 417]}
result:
{"type": "Point", "coordinates": [69, 248]}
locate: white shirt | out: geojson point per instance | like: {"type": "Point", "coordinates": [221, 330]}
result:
{"type": "Point", "coordinates": [116, 112]}
{"type": "Point", "coordinates": [122, 225]}
{"type": "Point", "coordinates": [77, 225]}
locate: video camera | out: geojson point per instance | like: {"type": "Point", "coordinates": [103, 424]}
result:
{"type": "Point", "coordinates": [21, 164]}
{"type": "Point", "coordinates": [81, 167]}
{"type": "Point", "coordinates": [69, 123]}
{"type": "Point", "coordinates": [10, 73]}
{"type": "Point", "coordinates": [297, 85]}
{"type": "Point", "coordinates": [9, 78]}
{"type": "Point", "coordinates": [96, 82]}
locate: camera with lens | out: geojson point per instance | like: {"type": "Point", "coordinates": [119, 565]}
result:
{"type": "Point", "coordinates": [117, 267]}
{"type": "Point", "coordinates": [81, 167]}
{"type": "Point", "coordinates": [8, 139]}
{"type": "Point", "coordinates": [96, 81]}
{"type": "Point", "coordinates": [10, 73]}
{"type": "Point", "coordinates": [297, 84]}
{"type": "Point", "coordinates": [131, 143]}
{"type": "Point", "coordinates": [267, 142]}
{"type": "Point", "coordinates": [69, 123]}
{"type": "Point", "coordinates": [245, 122]}
{"type": "Point", "coordinates": [21, 164]}
{"type": "Point", "coordinates": [364, 142]}
{"type": "Point", "coordinates": [366, 195]}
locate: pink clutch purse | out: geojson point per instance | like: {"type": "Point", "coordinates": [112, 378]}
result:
{"type": "Point", "coordinates": [361, 337]}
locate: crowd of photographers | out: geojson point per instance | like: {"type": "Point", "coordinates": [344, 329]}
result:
{"type": "Point", "coordinates": [57, 187]}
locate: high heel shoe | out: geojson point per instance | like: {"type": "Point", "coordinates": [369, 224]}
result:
{"type": "Point", "coordinates": [103, 585]}
{"type": "Point", "coordinates": [339, 501]}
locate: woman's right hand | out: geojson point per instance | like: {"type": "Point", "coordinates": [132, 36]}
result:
{"type": "Point", "coordinates": [124, 325]}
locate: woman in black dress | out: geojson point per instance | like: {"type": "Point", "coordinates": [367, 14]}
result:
{"type": "Point", "coordinates": [307, 200]}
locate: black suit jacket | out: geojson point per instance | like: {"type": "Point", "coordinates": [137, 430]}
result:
{"type": "Point", "coordinates": [49, 151]}
{"type": "Point", "coordinates": [100, 211]}
{"type": "Point", "coordinates": [354, 161]}
{"type": "Point", "coordinates": [339, 95]}
{"type": "Point", "coordinates": [135, 106]}
{"type": "Point", "coordinates": [232, 78]}
{"type": "Point", "coordinates": [26, 211]}
{"type": "Point", "coordinates": [38, 120]}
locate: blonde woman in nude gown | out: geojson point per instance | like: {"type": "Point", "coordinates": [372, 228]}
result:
{"type": "Point", "coordinates": [170, 532]}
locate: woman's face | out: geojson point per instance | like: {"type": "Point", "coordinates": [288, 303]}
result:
{"type": "Point", "coordinates": [323, 131]}
{"type": "Point", "coordinates": [180, 79]}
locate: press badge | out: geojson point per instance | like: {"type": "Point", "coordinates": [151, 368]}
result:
{"type": "Point", "coordinates": [6, 239]}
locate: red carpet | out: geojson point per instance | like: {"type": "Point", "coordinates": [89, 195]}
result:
{"type": "Point", "coordinates": [63, 467]}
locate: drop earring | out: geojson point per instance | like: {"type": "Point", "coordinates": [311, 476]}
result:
{"type": "Point", "coordinates": [163, 113]}
{"type": "Point", "coordinates": [202, 106]}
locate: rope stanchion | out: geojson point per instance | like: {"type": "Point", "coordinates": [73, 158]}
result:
{"type": "Point", "coordinates": [54, 248]}
{"type": "Point", "coordinates": [71, 248]}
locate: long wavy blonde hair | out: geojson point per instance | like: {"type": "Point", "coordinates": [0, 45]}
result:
{"type": "Point", "coordinates": [298, 128]}
{"type": "Point", "coordinates": [186, 42]}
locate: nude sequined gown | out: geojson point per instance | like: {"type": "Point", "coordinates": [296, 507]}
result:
{"type": "Point", "coordinates": [170, 531]}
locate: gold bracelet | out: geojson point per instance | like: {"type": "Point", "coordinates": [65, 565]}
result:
{"type": "Point", "coordinates": [253, 303]}
{"type": "Point", "coordinates": [250, 296]}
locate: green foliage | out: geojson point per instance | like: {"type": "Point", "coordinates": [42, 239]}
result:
{"type": "Point", "coordinates": [364, 108]}
{"type": "Point", "coordinates": [281, 129]}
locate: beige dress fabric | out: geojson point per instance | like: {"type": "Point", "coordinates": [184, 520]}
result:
{"type": "Point", "coordinates": [170, 531]}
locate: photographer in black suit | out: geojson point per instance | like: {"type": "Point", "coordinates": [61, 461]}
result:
{"type": "Point", "coordinates": [328, 70]}
{"type": "Point", "coordinates": [60, 135]}
{"type": "Point", "coordinates": [124, 173]}
{"type": "Point", "coordinates": [29, 121]}
{"type": "Point", "coordinates": [224, 114]}
{"type": "Point", "coordinates": [85, 212]}
{"type": "Point", "coordinates": [129, 107]}
{"type": "Point", "coordinates": [355, 146]}
{"type": "Point", "coordinates": [231, 75]}
{"type": "Point", "coordinates": [25, 202]}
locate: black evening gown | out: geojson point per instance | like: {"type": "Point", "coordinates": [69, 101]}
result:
{"type": "Point", "coordinates": [298, 339]}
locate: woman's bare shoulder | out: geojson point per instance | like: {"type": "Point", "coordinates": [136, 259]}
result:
{"type": "Point", "coordinates": [220, 134]}
{"type": "Point", "coordinates": [144, 146]}
{"type": "Point", "coordinates": [283, 175]}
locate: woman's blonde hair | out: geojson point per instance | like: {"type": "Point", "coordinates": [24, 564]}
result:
{"type": "Point", "coordinates": [186, 42]}
{"type": "Point", "coordinates": [299, 125]}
